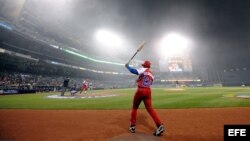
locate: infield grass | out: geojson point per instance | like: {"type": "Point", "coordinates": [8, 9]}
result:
{"type": "Point", "coordinates": [163, 98]}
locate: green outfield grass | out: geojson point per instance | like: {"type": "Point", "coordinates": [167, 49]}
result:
{"type": "Point", "coordinates": [163, 98]}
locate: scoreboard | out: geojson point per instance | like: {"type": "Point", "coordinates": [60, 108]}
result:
{"type": "Point", "coordinates": [175, 64]}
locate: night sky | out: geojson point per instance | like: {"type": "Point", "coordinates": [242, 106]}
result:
{"type": "Point", "coordinates": [219, 29]}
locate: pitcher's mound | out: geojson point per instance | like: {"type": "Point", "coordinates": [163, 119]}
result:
{"type": "Point", "coordinates": [136, 137]}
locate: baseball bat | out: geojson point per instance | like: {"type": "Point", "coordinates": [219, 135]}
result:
{"type": "Point", "coordinates": [138, 49]}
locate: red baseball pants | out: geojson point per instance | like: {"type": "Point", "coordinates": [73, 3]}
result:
{"type": "Point", "coordinates": [145, 95]}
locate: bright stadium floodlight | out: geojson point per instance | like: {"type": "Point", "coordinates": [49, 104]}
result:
{"type": "Point", "coordinates": [57, 2]}
{"type": "Point", "coordinates": [173, 45]}
{"type": "Point", "coordinates": [108, 38]}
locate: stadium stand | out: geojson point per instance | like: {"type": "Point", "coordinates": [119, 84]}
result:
{"type": "Point", "coordinates": [33, 57]}
{"type": "Point", "coordinates": [236, 77]}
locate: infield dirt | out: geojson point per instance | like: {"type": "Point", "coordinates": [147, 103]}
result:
{"type": "Point", "coordinates": [204, 124]}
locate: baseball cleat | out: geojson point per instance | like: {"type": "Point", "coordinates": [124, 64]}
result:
{"type": "Point", "coordinates": [132, 129]}
{"type": "Point", "coordinates": [159, 130]}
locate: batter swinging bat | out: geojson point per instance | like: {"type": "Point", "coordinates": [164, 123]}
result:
{"type": "Point", "coordinates": [139, 48]}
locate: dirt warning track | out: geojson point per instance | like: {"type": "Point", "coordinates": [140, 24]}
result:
{"type": "Point", "coordinates": [204, 124]}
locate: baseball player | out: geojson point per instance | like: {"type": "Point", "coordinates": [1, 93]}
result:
{"type": "Point", "coordinates": [73, 90]}
{"type": "Point", "coordinates": [84, 87]}
{"type": "Point", "coordinates": [90, 86]}
{"type": "Point", "coordinates": [65, 85]}
{"type": "Point", "coordinates": [143, 93]}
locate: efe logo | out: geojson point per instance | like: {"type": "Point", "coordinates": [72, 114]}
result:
{"type": "Point", "coordinates": [236, 133]}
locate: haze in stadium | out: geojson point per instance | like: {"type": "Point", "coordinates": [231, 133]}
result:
{"type": "Point", "coordinates": [82, 19]}
{"type": "Point", "coordinates": [203, 34]}
{"type": "Point", "coordinates": [77, 69]}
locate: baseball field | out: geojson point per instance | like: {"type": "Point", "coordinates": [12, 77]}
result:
{"type": "Point", "coordinates": [194, 114]}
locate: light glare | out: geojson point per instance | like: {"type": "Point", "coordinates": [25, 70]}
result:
{"type": "Point", "coordinates": [108, 38]}
{"type": "Point", "coordinates": [173, 45]}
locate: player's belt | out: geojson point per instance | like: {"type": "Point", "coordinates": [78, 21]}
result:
{"type": "Point", "coordinates": [143, 87]}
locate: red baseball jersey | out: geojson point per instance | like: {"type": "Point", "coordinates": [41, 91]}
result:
{"type": "Point", "coordinates": [84, 84]}
{"type": "Point", "coordinates": [145, 79]}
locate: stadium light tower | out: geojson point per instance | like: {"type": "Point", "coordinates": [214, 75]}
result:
{"type": "Point", "coordinates": [173, 44]}
{"type": "Point", "coordinates": [108, 38]}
